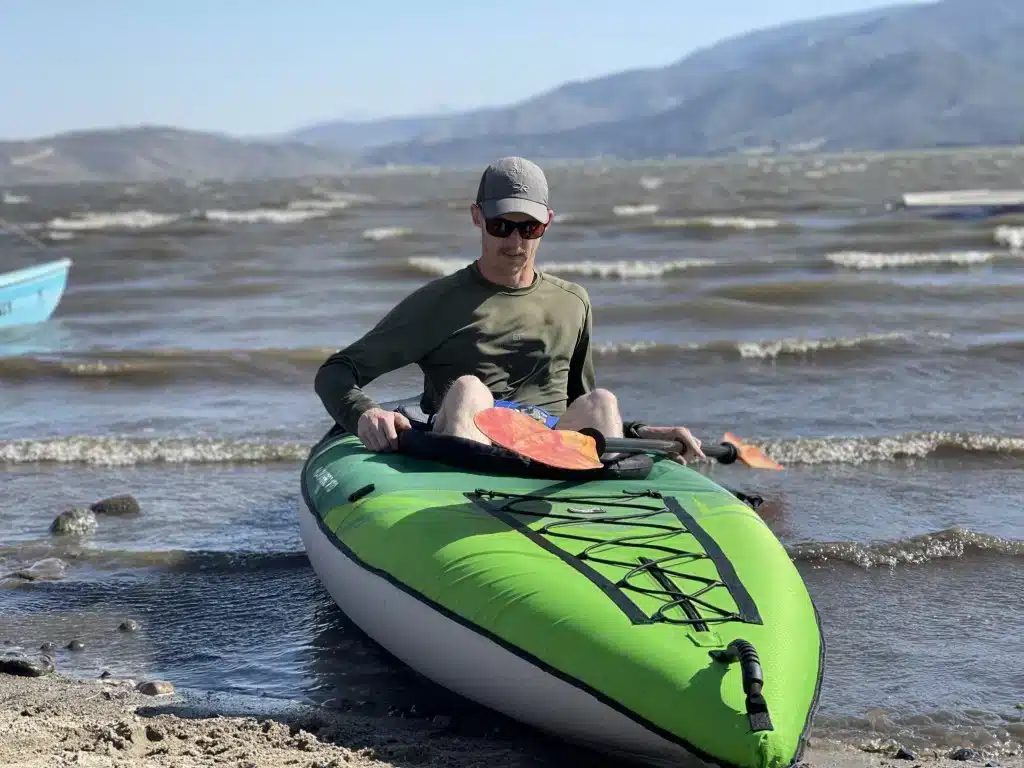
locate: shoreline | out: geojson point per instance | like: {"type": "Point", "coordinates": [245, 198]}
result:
{"type": "Point", "coordinates": [52, 721]}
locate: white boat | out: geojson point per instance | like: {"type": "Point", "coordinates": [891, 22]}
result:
{"type": "Point", "coordinates": [965, 203]}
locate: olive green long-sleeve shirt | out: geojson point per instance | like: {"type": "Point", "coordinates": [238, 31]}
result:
{"type": "Point", "coordinates": [531, 345]}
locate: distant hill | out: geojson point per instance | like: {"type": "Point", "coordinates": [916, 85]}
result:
{"type": "Point", "coordinates": [621, 96]}
{"type": "Point", "coordinates": [907, 76]}
{"type": "Point", "coordinates": [151, 153]}
{"type": "Point", "coordinates": [942, 74]}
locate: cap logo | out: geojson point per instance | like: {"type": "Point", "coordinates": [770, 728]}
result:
{"type": "Point", "coordinates": [515, 179]}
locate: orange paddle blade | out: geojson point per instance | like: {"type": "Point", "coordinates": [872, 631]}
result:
{"type": "Point", "coordinates": [751, 455]}
{"type": "Point", "coordinates": [526, 436]}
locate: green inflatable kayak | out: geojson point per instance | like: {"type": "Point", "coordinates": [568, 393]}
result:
{"type": "Point", "coordinates": [642, 610]}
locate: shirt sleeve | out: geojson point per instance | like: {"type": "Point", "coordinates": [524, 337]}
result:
{"type": "Point", "coordinates": [582, 377]}
{"type": "Point", "coordinates": [402, 337]}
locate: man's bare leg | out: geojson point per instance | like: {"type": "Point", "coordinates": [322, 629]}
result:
{"type": "Point", "coordinates": [466, 397]}
{"type": "Point", "coordinates": [598, 409]}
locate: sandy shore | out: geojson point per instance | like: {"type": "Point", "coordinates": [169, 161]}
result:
{"type": "Point", "coordinates": [51, 722]}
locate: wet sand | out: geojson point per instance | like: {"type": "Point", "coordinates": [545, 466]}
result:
{"type": "Point", "coordinates": [52, 721]}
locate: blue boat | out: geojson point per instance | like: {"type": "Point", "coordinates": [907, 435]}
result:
{"type": "Point", "coordinates": [30, 295]}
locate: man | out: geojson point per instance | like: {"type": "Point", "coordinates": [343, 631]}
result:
{"type": "Point", "coordinates": [497, 332]}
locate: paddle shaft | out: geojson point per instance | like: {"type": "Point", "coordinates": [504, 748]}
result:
{"type": "Point", "coordinates": [725, 453]}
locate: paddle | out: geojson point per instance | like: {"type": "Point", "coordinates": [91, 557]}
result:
{"type": "Point", "coordinates": [567, 449]}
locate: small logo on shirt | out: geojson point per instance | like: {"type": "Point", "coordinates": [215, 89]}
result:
{"type": "Point", "coordinates": [517, 337]}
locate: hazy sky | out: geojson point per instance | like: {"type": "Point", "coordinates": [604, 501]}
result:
{"type": "Point", "coordinates": [256, 67]}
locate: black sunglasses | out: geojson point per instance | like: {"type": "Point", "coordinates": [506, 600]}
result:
{"type": "Point", "coordinates": [528, 230]}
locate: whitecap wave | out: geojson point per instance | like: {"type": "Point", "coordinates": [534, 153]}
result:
{"type": "Point", "coordinates": [742, 223]}
{"type": "Point", "coordinates": [1010, 237]}
{"type": "Point", "coordinates": [123, 451]}
{"type": "Point", "coordinates": [864, 260]}
{"type": "Point", "coordinates": [112, 220]}
{"type": "Point", "coordinates": [264, 215]}
{"type": "Point", "coordinates": [385, 233]}
{"type": "Point", "coordinates": [647, 209]}
{"type": "Point", "coordinates": [622, 270]}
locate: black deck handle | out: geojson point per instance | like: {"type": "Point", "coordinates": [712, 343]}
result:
{"type": "Point", "coordinates": [753, 681]}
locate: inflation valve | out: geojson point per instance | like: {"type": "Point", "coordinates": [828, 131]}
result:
{"type": "Point", "coordinates": [753, 681]}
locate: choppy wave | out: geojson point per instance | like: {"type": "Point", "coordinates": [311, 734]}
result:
{"type": "Point", "coordinates": [162, 366]}
{"type": "Point", "coordinates": [913, 445]}
{"type": "Point", "coordinates": [385, 233]}
{"type": "Point", "coordinates": [952, 543]}
{"type": "Point", "coordinates": [881, 731]}
{"type": "Point", "coordinates": [868, 260]}
{"type": "Point", "coordinates": [623, 270]}
{"type": "Point", "coordinates": [90, 222]}
{"type": "Point", "coordinates": [141, 219]}
{"type": "Point", "coordinates": [330, 204]}
{"type": "Point", "coordinates": [263, 215]}
{"type": "Point", "coordinates": [864, 289]}
{"type": "Point", "coordinates": [57, 558]}
{"type": "Point", "coordinates": [1011, 237]}
{"type": "Point", "coordinates": [741, 223]}
{"type": "Point", "coordinates": [768, 349]}
{"type": "Point", "coordinates": [644, 209]}
{"type": "Point", "coordinates": [62, 555]}
{"type": "Point", "coordinates": [125, 451]}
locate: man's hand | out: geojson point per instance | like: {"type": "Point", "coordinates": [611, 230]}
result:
{"type": "Point", "coordinates": [689, 443]}
{"type": "Point", "coordinates": [378, 428]}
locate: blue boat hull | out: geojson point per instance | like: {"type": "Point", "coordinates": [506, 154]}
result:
{"type": "Point", "coordinates": [31, 295]}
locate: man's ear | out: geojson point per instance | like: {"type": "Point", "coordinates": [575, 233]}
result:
{"type": "Point", "coordinates": [477, 214]}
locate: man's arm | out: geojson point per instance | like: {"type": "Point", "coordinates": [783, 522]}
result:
{"type": "Point", "coordinates": [400, 338]}
{"type": "Point", "coordinates": [582, 377]}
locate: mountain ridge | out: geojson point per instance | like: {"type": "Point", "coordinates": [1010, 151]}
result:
{"type": "Point", "coordinates": [907, 76]}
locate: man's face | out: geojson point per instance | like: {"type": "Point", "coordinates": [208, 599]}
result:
{"type": "Point", "coordinates": [506, 258]}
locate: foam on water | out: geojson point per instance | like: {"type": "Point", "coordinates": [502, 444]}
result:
{"type": "Point", "coordinates": [334, 204]}
{"type": "Point", "coordinates": [646, 209]}
{"type": "Point", "coordinates": [863, 260]}
{"type": "Point", "coordinates": [117, 451]}
{"type": "Point", "coordinates": [264, 215]}
{"type": "Point", "coordinates": [1011, 237]}
{"type": "Point", "coordinates": [953, 543]}
{"type": "Point", "coordinates": [768, 349]}
{"type": "Point", "coordinates": [99, 220]}
{"type": "Point", "coordinates": [127, 451]}
{"type": "Point", "coordinates": [864, 450]}
{"type": "Point", "coordinates": [385, 233]}
{"type": "Point", "coordinates": [741, 223]}
{"type": "Point", "coordinates": [163, 365]}
{"type": "Point", "coordinates": [438, 266]}
{"type": "Point", "coordinates": [773, 349]}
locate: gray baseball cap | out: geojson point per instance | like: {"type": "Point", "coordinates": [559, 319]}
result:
{"type": "Point", "coordinates": [513, 185]}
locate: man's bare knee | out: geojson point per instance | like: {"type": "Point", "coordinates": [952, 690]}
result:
{"type": "Point", "coordinates": [465, 398]}
{"type": "Point", "coordinates": [468, 388]}
{"type": "Point", "coordinates": [601, 403]}
{"type": "Point", "coordinates": [598, 409]}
